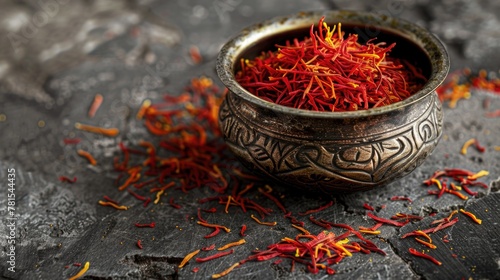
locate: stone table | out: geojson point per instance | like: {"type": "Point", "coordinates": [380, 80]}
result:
{"type": "Point", "coordinates": [57, 56]}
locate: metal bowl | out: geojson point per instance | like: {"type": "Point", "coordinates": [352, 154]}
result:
{"type": "Point", "coordinates": [333, 151]}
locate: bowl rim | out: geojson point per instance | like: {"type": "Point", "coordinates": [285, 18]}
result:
{"type": "Point", "coordinates": [440, 62]}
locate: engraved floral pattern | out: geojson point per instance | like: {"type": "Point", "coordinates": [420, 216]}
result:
{"type": "Point", "coordinates": [332, 164]}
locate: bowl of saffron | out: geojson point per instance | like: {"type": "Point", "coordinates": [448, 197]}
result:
{"type": "Point", "coordinates": [335, 101]}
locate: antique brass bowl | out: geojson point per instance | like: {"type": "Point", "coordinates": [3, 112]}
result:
{"type": "Point", "coordinates": [333, 151]}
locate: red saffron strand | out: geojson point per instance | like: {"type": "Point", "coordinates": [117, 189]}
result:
{"type": "Point", "coordinates": [65, 179]}
{"type": "Point", "coordinates": [150, 225]}
{"type": "Point", "coordinates": [173, 204]}
{"type": "Point", "coordinates": [242, 231]}
{"type": "Point", "coordinates": [95, 105]}
{"type": "Point", "coordinates": [422, 255]}
{"type": "Point", "coordinates": [208, 248]}
{"type": "Point", "coordinates": [110, 199]}
{"type": "Point", "coordinates": [139, 244]}
{"type": "Point", "coordinates": [385, 221]}
{"type": "Point", "coordinates": [321, 208]}
{"type": "Point", "coordinates": [215, 256]}
{"type": "Point", "coordinates": [368, 207]}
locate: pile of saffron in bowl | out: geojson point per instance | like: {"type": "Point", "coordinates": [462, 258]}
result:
{"type": "Point", "coordinates": [330, 71]}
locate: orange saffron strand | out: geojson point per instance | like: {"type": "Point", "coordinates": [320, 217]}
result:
{"type": "Point", "coordinates": [466, 145]}
{"type": "Point", "coordinates": [111, 132]}
{"type": "Point", "coordinates": [430, 245]}
{"type": "Point", "coordinates": [145, 105]}
{"type": "Point", "coordinates": [271, 224]}
{"type": "Point", "coordinates": [232, 244]}
{"type": "Point", "coordinates": [305, 231]}
{"type": "Point", "coordinates": [81, 272]}
{"type": "Point", "coordinates": [95, 105]}
{"type": "Point", "coordinates": [188, 257]}
{"type": "Point", "coordinates": [225, 272]}
{"type": "Point", "coordinates": [88, 156]}
{"type": "Point", "coordinates": [158, 195]}
{"type": "Point", "coordinates": [472, 216]}
{"type": "Point", "coordinates": [109, 203]}
{"type": "Point", "coordinates": [227, 204]}
{"type": "Point", "coordinates": [460, 195]}
{"type": "Point", "coordinates": [213, 226]}
{"type": "Point", "coordinates": [374, 232]}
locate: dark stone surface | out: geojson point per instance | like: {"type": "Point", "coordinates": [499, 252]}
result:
{"type": "Point", "coordinates": [42, 96]}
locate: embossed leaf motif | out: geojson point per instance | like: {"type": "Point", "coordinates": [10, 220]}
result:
{"type": "Point", "coordinates": [358, 154]}
{"type": "Point", "coordinates": [259, 153]}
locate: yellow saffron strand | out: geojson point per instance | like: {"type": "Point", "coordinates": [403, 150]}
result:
{"type": "Point", "coordinates": [188, 257]}
{"type": "Point", "coordinates": [109, 203]}
{"type": "Point", "coordinates": [225, 272]}
{"type": "Point", "coordinates": [271, 224]}
{"type": "Point", "coordinates": [158, 195]}
{"type": "Point", "coordinates": [478, 175]}
{"type": "Point", "coordinates": [232, 244]}
{"type": "Point", "coordinates": [81, 272]}
{"type": "Point", "coordinates": [437, 182]}
{"type": "Point", "coordinates": [466, 145]}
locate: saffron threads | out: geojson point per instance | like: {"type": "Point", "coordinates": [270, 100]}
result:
{"type": "Point", "coordinates": [213, 226]}
{"type": "Point", "coordinates": [111, 132]}
{"type": "Point", "coordinates": [465, 178]}
{"type": "Point", "coordinates": [459, 84]}
{"type": "Point", "coordinates": [95, 105]}
{"type": "Point", "coordinates": [71, 141]}
{"type": "Point", "coordinates": [142, 110]}
{"type": "Point", "coordinates": [214, 233]}
{"type": "Point", "coordinates": [195, 55]}
{"type": "Point", "coordinates": [472, 216]}
{"type": "Point", "coordinates": [150, 225]}
{"type": "Point", "coordinates": [136, 195]}
{"type": "Point", "coordinates": [158, 196]}
{"type": "Point", "coordinates": [422, 255]}
{"type": "Point", "coordinates": [110, 199]}
{"type": "Point", "coordinates": [385, 221]}
{"type": "Point", "coordinates": [188, 257]}
{"type": "Point", "coordinates": [271, 224]}
{"type": "Point", "coordinates": [242, 231]}
{"type": "Point", "coordinates": [80, 273]}
{"type": "Point", "coordinates": [368, 207]}
{"type": "Point", "coordinates": [108, 203]}
{"type": "Point", "coordinates": [330, 71]}
{"type": "Point", "coordinates": [87, 156]}
{"type": "Point", "coordinates": [428, 244]}
{"type": "Point", "coordinates": [232, 244]}
{"type": "Point", "coordinates": [65, 179]}
{"type": "Point", "coordinates": [401, 198]}
{"type": "Point", "coordinates": [470, 142]}
{"type": "Point", "coordinates": [316, 251]}
{"type": "Point", "coordinates": [208, 248]}
{"type": "Point", "coordinates": [139, 244]}
{"type": "Point", "coordinates": [215, 256]}
{"type": "Point", "coordinates": [173, 204]}
{"type": "Point", "coordinates": [321, 208]}
{"type": "Point", "coordinates": [225, 272]}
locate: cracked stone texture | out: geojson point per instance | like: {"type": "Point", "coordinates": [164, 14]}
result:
{"type": "Point", "coordinates": [131, 50]}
